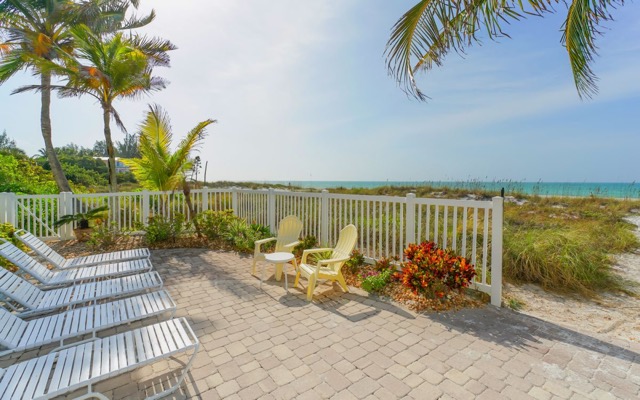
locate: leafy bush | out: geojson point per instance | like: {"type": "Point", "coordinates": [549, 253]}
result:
{"type": "Point", "coordinates": [215, 224]}
{"type": "Point", "coordinates": [308, 242]}
{"type": "Point", "coordinates": [374, 281]}
{"type": "Point", "coordinates": [433, 271]}
{"type": "Point", "coordinates": [223, 225]}
{"type": "Point", "coordinates": [161, 229]}
{"type": "Point", "coordinates": [354, 262]}
{"type": "Point", "coordinates": [104, 235]}
{"type": "Point", "coordinates": [386, 264]}
{"type": "Point", "coordinates": [243, 236]}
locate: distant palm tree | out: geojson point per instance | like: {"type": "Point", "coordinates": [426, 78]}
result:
{"type": "Point", "coordinates": [33, 31]}
{"type": "Point", "coordinates": [432, 28]}
{"type": "Point", "coordinates": [159, 168]}
{"type": "Point", "coordinates": [108, 68]}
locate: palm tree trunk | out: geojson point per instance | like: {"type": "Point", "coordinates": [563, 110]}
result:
{"type": "Point", "coordinates": [45, 126]}
{"type": "Point", "coordinates": [113, 179]}
{"type": "Point", "coordinates": [186, 189]}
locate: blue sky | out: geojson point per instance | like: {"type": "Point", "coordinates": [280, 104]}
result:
{"type": "Point", "coordinates": [301, 92]}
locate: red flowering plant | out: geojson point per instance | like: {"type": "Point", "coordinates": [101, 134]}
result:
{"type": "Point", "coordinates": [433, 271]}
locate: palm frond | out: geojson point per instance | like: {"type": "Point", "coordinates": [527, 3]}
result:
{"type": "Point", "coordinates": [579, 32]}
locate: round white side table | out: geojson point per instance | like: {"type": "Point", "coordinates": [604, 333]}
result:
{"type": "Point", "coordinates": [279, 259]}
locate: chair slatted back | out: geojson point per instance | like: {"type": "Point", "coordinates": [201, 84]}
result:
{"type": "Point", "coordinates": [41, 248]}
{"type": "Point", "coordinates": [25, 262]}
{"type": "Point", "coordinates": [288, 232]}
{"type": "Point", "coordinates": [11, 329]}
{"type": "Point", "coordinates": [346, 243]}
{"type": "Point", "coordinates": [19, 290]}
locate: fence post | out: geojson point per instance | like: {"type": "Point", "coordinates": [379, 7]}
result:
{"type": "Point", "coordinates": [65, 207]}
{"type": "Point", "coordinates": [234, 201]}
{"type": "Point", "coordinates": [272, 210]}
{"type": "Point", "coordinates": [8, 208]}
{"type": "Point", "coordinates": [410, 232]}
{"type": "Point", "coordinates": [205, 199]}
{"type": "Point", "coordinates": [324, 218]}
{"type": "Point", "coordinates": [145, 207]}
{"type": "Point", "coordinates": [496, 250]}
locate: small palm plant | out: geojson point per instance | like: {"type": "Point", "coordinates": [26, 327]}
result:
{"type": "Point", "coordinates": [82, 219]}
{"type": "Point", "coordinates": [159, 168]}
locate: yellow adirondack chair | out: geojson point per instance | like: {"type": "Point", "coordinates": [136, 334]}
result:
{"type": "Point", "coordinates": [329, 268]}
{"type": "Point", "coordinates": [289, 231]}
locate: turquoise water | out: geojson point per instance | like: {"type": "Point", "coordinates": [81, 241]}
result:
{"type": "Point", "coordinates": [598, 189]}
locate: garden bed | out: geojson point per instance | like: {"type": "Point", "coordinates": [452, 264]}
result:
{"type": "Point", "coordinates": [398, 293]}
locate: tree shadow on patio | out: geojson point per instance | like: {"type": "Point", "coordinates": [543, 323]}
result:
{"type": "Point", "coordinates": [511, 329]}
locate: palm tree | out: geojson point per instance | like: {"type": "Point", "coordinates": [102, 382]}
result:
{"type": "Point", "coordinates": [33, 31]}
{"type": "Point", "coordinates": [158, 168]}
{"type": "Point", "coordinates": [117, 67]}
{"type": "Point", "coordinates": [427, 32]}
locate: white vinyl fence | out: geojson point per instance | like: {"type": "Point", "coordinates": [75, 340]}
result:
{"type": "Point", "coordinates": [386, 224]}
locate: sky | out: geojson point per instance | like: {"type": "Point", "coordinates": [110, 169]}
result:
{"type": "Point", "coordinates": [301, 92]}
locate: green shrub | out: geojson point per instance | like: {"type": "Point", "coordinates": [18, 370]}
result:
{"type": "Point", "coordinates": [308, 242]}
{"type": "Point", "coordinates": [376, 281]}
{"type": "Point", "coordinates": [243, 236]}
{"type": "Point", "coordinates": [161, 229]}
{"type": "Point", "coordinates": [104, 235]}
{"type": "Point", "coordinates": [215, 224]}
{"type": "Point", "coordinates": [354, 262]}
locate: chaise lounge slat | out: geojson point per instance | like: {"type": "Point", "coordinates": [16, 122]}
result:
{"type": "Point", "coordinates": [19, 335]}
{"type": "Point", "coordinates": [84, 365]}
{"type": "Point", "coordinates": [32, 300]}
{"type": "Point", "coordinates": [59, 262]}
{"type": "Point", "coordinates": [49, 278]}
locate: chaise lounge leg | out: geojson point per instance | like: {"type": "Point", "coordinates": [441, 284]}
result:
{"type": "Point", "coordinates": [180, 380]}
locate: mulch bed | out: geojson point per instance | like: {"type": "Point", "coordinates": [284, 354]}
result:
{"type": "Point", "coordinates": [401, 294]}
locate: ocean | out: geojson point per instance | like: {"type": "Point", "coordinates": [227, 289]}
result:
{"type": "Point", "coordinates": [579, 189]}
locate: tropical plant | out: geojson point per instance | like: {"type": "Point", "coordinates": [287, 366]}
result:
{"type": "Point", "coordinates": [158, 168]}
{"type": "Point", "coordinates": [36, 32]}
{"type": "Point", "coordinates": [83, 219]}
{"type": "Point", "coordinates": [161, 228]}
{"type": "Point", "coordinates": [433, 271]}
{"type": "Point", "coordinates": [426, 33]}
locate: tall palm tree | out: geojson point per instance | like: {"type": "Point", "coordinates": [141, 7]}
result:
{"type": "Point", "coordinates": [33, 31]}
{"type": "Point", "coordinates": [108, 68]}
{"type": "Point", "coordinates": [427, 32]}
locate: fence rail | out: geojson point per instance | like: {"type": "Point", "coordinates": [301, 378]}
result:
{"type": "Point", "coordinates": [386, 224]}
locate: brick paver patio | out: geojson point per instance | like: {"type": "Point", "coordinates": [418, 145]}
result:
{"type": "Point", "coordinates": [272, 345]}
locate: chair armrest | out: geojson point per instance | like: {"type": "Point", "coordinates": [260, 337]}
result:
{"type": "Point", "coordinates": [260, 242]}
{"type": "Point", "coordinates": [290, 246]}
{"type": "Point", "coordinates": [311, 251]}
{"type": "Point", "coordinates": [332, 260]}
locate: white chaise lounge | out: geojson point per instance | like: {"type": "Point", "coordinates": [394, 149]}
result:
{"type": "Point", "coordinates": [82, 366]}
{"type": "Point", "coordinates": [60, 262]}
{"type": "Point", "coordinates": [49, 278]}
{"type": "Point", "coordinates": [27, 299]}
{"type": "Point", "coordinates": [19, 335]}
